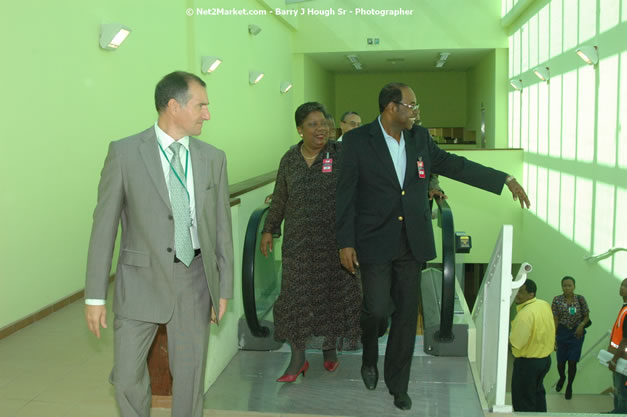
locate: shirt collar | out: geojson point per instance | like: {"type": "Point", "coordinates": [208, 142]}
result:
{"type": "Point", "coordinates": [521, 306]}
{"type": "Point", "coordinates": [166, 140]}
{"type": "Point", "coordinates": [388, 137]}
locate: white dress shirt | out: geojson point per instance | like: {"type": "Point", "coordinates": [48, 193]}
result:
{"type": "Point", "coordinates": [397, 152]}
{"type": "Point", "coordinates": [165, 141]}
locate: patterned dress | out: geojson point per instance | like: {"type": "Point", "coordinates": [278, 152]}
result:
{"type": "Point", "coordinates": [320, 303]}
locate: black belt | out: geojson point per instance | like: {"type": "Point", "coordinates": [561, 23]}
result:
{"type": "Point", "coordinates": [196, 253]}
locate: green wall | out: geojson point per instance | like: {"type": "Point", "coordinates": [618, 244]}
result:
{"type": "Point", "coordinates": [487, 83]}
{"type": "Point", "coordinates": [442, 95]}
{"type": "Point", "coordinates": [69, 98]}
{"type": "Point", "coordinates": [573, 132]}
{"type": "Point", "coordinates": [433, 25]}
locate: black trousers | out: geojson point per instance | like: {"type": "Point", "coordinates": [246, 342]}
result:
{"type": "Point", "coordinates": [527, 384]}
{"type": "Point", "coordinates": [391, 289]}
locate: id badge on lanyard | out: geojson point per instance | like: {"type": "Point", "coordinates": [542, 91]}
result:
{"type": "Point", "coordinates": [327, 164]}
{"type": "Point", "coordinates": [421, 168]}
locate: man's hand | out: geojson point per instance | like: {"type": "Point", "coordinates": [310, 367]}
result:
{"type": "Point", "coordinates": [96, 316]}
{"type": "Point", "coordinates": [612, 365]}
{"type": "Point", "coordinates": [434, 192]}
{"type": "Point", "coordinates": [266, 242]}
{"type": "Point", "coordinates": [223, 304]}
{"type": "Point", "coordinates": [348, 258]}
{"type": "Point", "coordinates": [518, 193]}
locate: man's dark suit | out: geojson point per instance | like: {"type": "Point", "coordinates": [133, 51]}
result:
{"type": "Point", "coordinates": [390, 227]}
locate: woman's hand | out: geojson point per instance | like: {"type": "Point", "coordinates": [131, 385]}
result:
{"type": "Point", "coordinates": [266, 242]}
{"type": "Point", "coordinates": [579, 331]}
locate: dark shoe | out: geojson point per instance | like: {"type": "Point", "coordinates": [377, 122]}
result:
{"type": "Point", "coordinates": [402, 401]}
{"type": "Point", "coordinates": [569, 392]}
{"type": "Point", "coordinates": [292, 378]}
{"type": "Point", "coordinates": [560, 384]}
{"type": "Point", "coordinates": [370, 375]}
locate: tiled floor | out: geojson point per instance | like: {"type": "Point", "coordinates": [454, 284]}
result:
{"type": "Point", "coordinates": [55, 368]}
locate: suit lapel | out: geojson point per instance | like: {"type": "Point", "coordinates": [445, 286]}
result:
{"type": "Point", "coordinates": [149, 150]}
{"type": "Point", "coordinates": [377, 141]}
{"type": "Point", "coordinates": [200, 167]}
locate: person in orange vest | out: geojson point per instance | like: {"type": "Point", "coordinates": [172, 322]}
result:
{"type": "Point", "coordinates": [618, 346]}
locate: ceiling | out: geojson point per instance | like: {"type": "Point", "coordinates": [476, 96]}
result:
{"type": "Point", "coordinates": [422, 60]}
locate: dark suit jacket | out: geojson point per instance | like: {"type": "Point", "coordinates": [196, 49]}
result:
{"type": "Point", "coordinates": [371, 204]}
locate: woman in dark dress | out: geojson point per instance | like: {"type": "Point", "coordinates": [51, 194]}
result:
{"type": "Point", "coordinates": [571, 315]}
{"type": "Point", "coordinates": [320, 303]}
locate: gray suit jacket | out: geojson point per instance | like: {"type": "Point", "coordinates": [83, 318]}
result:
{"type": "Point", "coordinates": [132, 190]}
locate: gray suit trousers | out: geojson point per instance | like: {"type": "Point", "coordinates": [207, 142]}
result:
{"type": "Point", "coordinates": [188, 333]}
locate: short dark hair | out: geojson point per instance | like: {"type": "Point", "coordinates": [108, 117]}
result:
{"type": "Point", "coordinates": [531, 286]}
{"type": "Point", "coordinates": [174, 85]}
{"type": "Point", "coordinates": [348, 113]}
{"type": "Point", "coordinates": [568, 277]}
{"type": "Point", "coordinates": [304, 109]}
{"type": "Point", "coordinates": [390, 93]}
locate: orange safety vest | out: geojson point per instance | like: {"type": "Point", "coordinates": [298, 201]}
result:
{"type": "Point", "coordinates": [617, 329]}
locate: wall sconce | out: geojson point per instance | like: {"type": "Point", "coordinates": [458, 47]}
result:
{"type": "Point", "coordinates": [590, 54]}
{"type": "Point", "coordinates": [112, 35]}
{"type": "Point", "coordinates": [285, 87]}
{"type": "Point", "coordinates": [443, 57]}
{"type": "Point", "coordinates": [209, 63]}
{"type": "Point", "coordinates": [254, 30]}
{"type": "Point", "coordinates": [254, 77]}
{"type": "Point", "coordinates": [355, 62]}
{"type": "Point", "coordinates": [542, 73]}
{"type": "Point", "coordinates": [516, 83]}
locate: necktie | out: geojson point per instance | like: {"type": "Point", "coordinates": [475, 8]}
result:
{"type": "Point", "coordinates": [180, 209]}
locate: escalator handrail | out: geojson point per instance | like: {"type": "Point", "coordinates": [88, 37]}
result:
{"type": "Point", "coordinates": [448, 270]}
{"type": "Point", "coordinates": [248, 274]}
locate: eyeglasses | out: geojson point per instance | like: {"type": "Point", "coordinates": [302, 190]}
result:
{"type": "Point", "coordinates": [412, 107]}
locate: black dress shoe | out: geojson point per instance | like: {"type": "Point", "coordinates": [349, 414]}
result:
{"type": "Point", "coordinates": [569, 392]}
{"type": "Point", "coordinates": [560, 384]}
{"type": "Point", "coordinates": [370, 375]}
{"type": "Point", "coordinates": [402, 401]}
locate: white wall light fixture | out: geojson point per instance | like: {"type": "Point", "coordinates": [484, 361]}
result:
{"type": "Point", "coordinates": [443, 57]}
{"type": "Point", "coordinates": [254, 30]}
{"type": "Point", "coordinates": [355, 62]}
{"type": "Point", "coordinates": [254, 77]}
{"type": "Point", "coordinates": [542, 73]}
{"type": "Point", "coordinates": [112, 35]}
{"type": "Point", "coordinates": [590, 54]}
{"type": "Point", "coordinates": [285, 87]}
{"type": "Point", "coordinates": [516, 83]}
{"type": "Point", "coordinates": [209, 64]}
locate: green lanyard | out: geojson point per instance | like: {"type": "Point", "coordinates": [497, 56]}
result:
{"type": "Point", "coordinates": [184, 184]}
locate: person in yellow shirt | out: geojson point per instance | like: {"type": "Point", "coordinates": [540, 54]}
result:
{"type": "Point", "coordinates": [532, 338]}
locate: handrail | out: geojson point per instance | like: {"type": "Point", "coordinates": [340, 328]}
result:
{"type": "Point", "coordinates": [248, 274]}
{"type": "Point", "coordinates": [445, 220]}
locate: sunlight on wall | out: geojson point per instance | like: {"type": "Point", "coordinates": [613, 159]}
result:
{"type": "Point", "coordinates": [620, 239]}
{"type": "Point", "coordinates": [609, 14]}
{"type": "Point", "coordinates": [587, 19]}
{"type": "Point", "coordinates": [570, 23]}
{"type": "Point", "coordinates": [541, 193]}
{"type": "Point", "coordinates": [606, 127]}
{"type": "Point", "coordinates": [555, 114]}
{"type": "Point", "coordinates": [567, 201]}
{"type": "Point", "coordinates": [574, 127]}
{"type": "Point", "coordinates": [553, 208]}
{"type": "Point", "coordinates": [569, 115]}
{"type": "Point", "coordinates": [583, 212]}
{"type": "Point", "coordinates": [585, 114]}
{"type": "Point", "coordinates": [533, 118]}
{"type": "Point", "coordinates": [603, 222]}
{"type": "Point", "coordinates": [555, 11]}
{"type": "Point", "coordinates": [622, 111]}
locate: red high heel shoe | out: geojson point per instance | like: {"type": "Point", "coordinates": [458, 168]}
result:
{"type": "Point", "coordinates": [331, 365]}
{"type": "Point", "coordinates": [292, 378]}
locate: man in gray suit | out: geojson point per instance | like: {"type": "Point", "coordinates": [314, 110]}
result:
{"type": "Point", "coordinates": [175, 266]}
